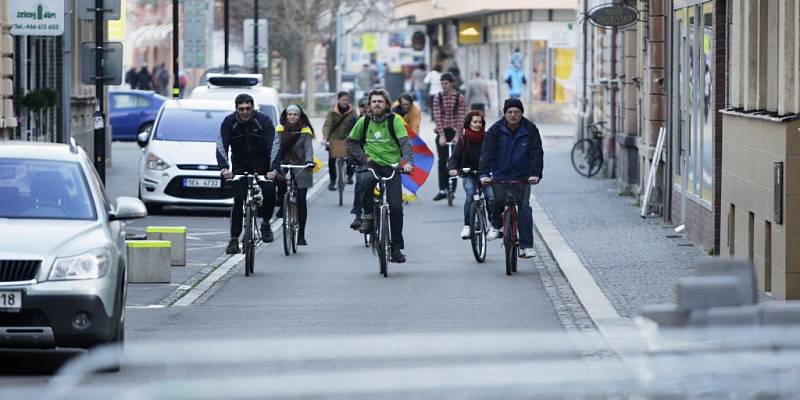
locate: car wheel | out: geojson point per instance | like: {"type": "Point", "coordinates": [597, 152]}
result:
{"type": "Point", "coordinates": [148, 127]}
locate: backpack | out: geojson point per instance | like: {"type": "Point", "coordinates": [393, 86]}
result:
{"type": "Point", "coordinates": [365, 126]}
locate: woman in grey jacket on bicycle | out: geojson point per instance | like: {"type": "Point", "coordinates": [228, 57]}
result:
{"type": "Point", "coordinates": [293, 145]}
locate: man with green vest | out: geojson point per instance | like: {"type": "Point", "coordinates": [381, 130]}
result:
{"type": "Point", "coordinates": [379, 140]}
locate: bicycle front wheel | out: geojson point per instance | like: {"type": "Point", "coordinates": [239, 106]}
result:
{"type": "Point", "coordinates": [295, 226]}
{"type": "Point", "coordinates": [477, 230]}
{"type": "Point", "coordinates": [341, 170]}
{"type": "Point", "coordinates": [286, 226]}
{"type": "Point", "coordinates": [508, 241]}
{"type": "Point", "coordinates": [384, 244]}
{"type": "Point", "coordinates": [587, 157]}
{"type": "Point", "coordinates": [248, 242]}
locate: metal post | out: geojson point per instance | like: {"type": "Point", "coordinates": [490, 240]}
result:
{"type": "Point", "coordinates": [255, 36]}
{"type": "Point", "coordinates": [226, 23]}
{"type": "Point", "coordinates": [66, 70]}
{"type": "Point", "coordinates": [176, 88]}
{"type": "Point", "coordinates": [99, 116]}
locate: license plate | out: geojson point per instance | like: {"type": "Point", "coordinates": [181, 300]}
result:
{"type": "Point", "coordinates": [11, 299]}
{"type": "Point", "coordinates": [201, 183]}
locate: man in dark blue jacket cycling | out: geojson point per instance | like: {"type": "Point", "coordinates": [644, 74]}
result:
{"type": "Point", "coordinates": [512, 151]}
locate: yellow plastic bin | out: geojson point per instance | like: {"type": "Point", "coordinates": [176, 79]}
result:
{"type": "Point", "coordinates": [148, 261]}
{"type": "Point", "coordinates": [174, 234]}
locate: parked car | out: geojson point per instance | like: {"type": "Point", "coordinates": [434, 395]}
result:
{"type": "Point", "coordinates": [62, 262]}
{"type": "Point", "coordinates": [132, 112]}
{"type": "Point", "coordinates": [179, 165]}
{"type": "Point", "coordinates": [227, 87]}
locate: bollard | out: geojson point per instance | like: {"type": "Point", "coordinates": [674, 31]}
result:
{"type": "Point", "coordinates": [149, 261]}
{"type": "Point", "coordinates": [174, 234]}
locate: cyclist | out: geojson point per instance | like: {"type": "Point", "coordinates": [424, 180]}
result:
{"type": "Point", "coordinates": [293, 145]}
{"type": "Point", "coordinates": [338, 122]}
{"type": "Point", "coordinates": [358, 209]}
{"type": "Point", "coordinates": [467, 154]}
{"type": "Point", "coordinates": [513, 150]}
{"type": "Point", "coordinates": [248, 134]}
{"type": "Point", "coordinates": [449, 109]}
{"type": "Point", "coordinates": [405, 107]}
{"type": "Point", "coordinates": [383, 146]}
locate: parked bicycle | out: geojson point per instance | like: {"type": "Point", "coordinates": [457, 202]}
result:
{"type": "Point", "coordinates": [478, 217]}
{"type": "Point", "coordinates": [510, 226]}
{"type": "Point", "coordinates": [380, 237]}
{"type": "Point", "coordinates": [291, 222]}
{"type": "Point", "coordinates": [252, 203]}
{"type": "Point", "coordinates": [587, 153]}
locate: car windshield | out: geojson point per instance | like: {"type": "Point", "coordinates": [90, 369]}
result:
{"type": "Point", "coordinates": [190, 125]}
{"type": "Point", "coordinates": [271, 112]}
{"type": "Point", "coordinates": [43, 189]}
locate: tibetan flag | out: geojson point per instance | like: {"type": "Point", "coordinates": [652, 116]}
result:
{"type": "Point", "coordinates": [423, 162]}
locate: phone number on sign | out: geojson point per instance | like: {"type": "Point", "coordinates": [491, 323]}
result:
{"type": "Point", "coordinates": [51, 27]}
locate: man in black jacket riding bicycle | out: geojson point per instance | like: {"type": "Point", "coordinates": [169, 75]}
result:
{"type": "Point", "coordinates": [249, 134]}
{"type": "Point", "coordinates": [512, 151]}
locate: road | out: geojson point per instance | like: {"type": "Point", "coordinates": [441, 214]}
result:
{"type": "Point", "coordinates": [332, 286]}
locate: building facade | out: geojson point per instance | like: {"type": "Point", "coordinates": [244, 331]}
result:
{"type": "Point", "coordinates": [477, 37]}
{"type": "Point", "coordinates": [8, 119]}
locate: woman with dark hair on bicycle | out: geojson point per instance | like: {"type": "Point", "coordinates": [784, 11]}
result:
{"type": "Point", "coordinates": [293, 145]}
{"type": "Point", "coordinates": [467, 154]}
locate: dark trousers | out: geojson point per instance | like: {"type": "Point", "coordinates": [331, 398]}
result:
{"type": "Point", "coordinates": [441, 167]}
{"type": "Point", "coordinates": [332, 169]}
{"type": "Point", "coordinates": [277, 198]}
{"type": "Point", "coordinates": [358, 203]}
{"type": "Point", "coordinates": [237, 212]}
{"type": "Point", "coordinates": [522, 195]}
{"type": "Point", "coordinates": [394, 194]}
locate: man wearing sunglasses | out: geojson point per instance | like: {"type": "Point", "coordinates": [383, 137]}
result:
{"type": "Point", "coordinates": [249, 134]}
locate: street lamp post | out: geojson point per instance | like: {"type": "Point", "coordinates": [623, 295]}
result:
{"type": "Point", "coordinates": [226, 24]}
{"type": "Point", "coordinates": [99, 115]}
{"type": "Point", "coordinates": [255, 36]}
{"type": "Point", "coordinates": [176, 88]}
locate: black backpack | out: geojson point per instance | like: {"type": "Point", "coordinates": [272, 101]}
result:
{"type": "Point", "coordinates": [365, 126]}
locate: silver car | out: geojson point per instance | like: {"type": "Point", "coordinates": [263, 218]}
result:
{"type": "Point", "coordinates": [62, 257]}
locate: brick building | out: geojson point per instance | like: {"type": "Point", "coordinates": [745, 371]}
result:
{"type": "Point", "coordinates": [8, 119]}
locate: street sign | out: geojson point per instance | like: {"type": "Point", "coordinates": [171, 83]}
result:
{"type": "Point", "coordinates": [112, 63]}
{"type": "Point", "coordinates": [86, 10]}
{"type": "Point", "coordinates": [36, 17]}
{"type": "Point", "coordinates": [194, 33]}
{"type": "Point", "coordinates": [263, 44]}
{"type": "Point", "coordinates": [613, 15]}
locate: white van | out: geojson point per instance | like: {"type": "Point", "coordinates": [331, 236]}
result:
{"type": "Point", "coordinates": [226, 87]}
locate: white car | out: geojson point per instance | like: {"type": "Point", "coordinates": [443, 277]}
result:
{"type": "Point", "coordinates": [227, 87]}
{"type": "Point", "coordinates": [178, 164]}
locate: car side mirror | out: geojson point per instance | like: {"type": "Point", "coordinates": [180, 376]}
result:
{"type": "Point", "coordinates": [142, 139]}
{"type": "Point", "coordinates": [128, 208]}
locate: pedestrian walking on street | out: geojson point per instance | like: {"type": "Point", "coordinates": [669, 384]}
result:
{"type": "Point", "coordinates": [512, 151]}
{"type": "Point", "coordinates": [131, 79]}
{"type": "Point", "coordinates": [467, 154]}
{"type": "Point", "coordinates": [478, 97]}
{"type": "Point", "coordinates": [162, 78]}
{"type": "Point", "coordinates": [515, 76]}
{"type": "Point", "coordinates": [419, 86]}
{"type": "Point", "coordinates": [338, 123]}
{"type": "Point", "coordinates": [358, 206]}
{"type": "Point", "coordinates": [249, 134]}
{"type": "Point", "coordinates": [449, 109]}
{"type": "Point", "coordinates": [144, 79]}
{"type": "Point", "coordinates": [405, 107]}
{"type": "Point", "coordinates": [433, 80]}
{"type": "Point", "coordinates": [293, 145]}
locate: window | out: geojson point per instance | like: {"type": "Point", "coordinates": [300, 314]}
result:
{"type": "Point", "coordinates": [42, 189]}
{"type": "Point", "coordinates": [190, 125]}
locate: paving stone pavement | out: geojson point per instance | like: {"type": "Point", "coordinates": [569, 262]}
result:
{"type": "Point", "coordinates": [632, 259]}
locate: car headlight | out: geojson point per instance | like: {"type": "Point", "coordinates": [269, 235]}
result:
{"type": "Point", "coordinates": [90, 265]}
{"type": "Point", "coordinates": [156, 163]}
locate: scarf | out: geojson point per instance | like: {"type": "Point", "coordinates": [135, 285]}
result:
{"type": "Point", "coordinates": [474, 137]}
{"type": "Point", "coordinates": [291, 132]}
{"type": "Point", "coordinates": [343, 110]}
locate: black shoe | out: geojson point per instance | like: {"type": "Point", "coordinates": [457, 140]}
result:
{"type": "Point", "coordinates": [366, 226]}
{"type": "Point", "coordinates": [440, 196]}
{"type": "Point", "coordinates": [233, 246]}
{"type": "Point", "coordinates": [301, 241]}
{"type": "Point", "coordinates": [266, 233]}
{"type": "Point", "coordinates": [349, 180]}
{"type": "Point", "coordinates": [398, 256]}
{"type": "Point", "coordinates": [332, 186]}
{"type": "Point", "coordinates": [356, 224]}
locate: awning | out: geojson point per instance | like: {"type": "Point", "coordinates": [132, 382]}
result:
{"type": "Point", "coordinates": [151, 35]}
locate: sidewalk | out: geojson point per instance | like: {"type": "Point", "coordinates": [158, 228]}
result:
{"type": "Point", "coordinates": [631, 259]}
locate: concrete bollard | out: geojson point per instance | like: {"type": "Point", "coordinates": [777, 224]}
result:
{"type": "Point", "coordinates": [174, 234]}
{"type": "Point", "coordinates": [148, 261]}
{"type": "Point", "coordinates": [698, 292]}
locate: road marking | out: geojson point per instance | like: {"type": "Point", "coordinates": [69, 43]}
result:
{"type": "Point", "coordinates": [217, 274]}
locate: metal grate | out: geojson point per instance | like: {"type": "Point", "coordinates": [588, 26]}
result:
{"type": "Point", "coordinates": [18, 270]}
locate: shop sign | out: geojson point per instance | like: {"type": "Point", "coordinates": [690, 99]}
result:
{"type": "Point", "coordinates": [469, 33]}
{"type": "Point", "coordinates": [613, 15]}
{"type": "Point", "coordinates": [36, 18]}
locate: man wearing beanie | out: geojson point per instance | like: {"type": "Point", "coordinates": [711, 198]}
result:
{"type": "Point", "coordinates": [512, 151]}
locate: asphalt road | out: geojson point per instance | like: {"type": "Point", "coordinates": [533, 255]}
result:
{"type": "Point", "coordinates": [331, 287]}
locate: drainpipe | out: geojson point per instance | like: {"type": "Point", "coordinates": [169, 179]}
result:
{"type": "Point", "coordinates": [612, 137]}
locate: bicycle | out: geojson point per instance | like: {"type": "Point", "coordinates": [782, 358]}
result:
{"type": "Point", "coordinates": [341, 172]}
{"type": "Point", "coordinates": [451, 183]}
{"type": "Point", "coordinates": [380, 236]}
{"type": "Point", "coordinates": [510, 227]}
{"type": "Point", "coordinates": [252, 202]}
{"type": "Point", "coordinates": [587, 153]}
{"type": "Point", "coordinates": [478, 220]}
{"type": "Point", "coordinates": [291, 224]}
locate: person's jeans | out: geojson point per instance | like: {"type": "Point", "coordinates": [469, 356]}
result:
{"type": "Point", "coordinates": [394, 194]}
{"type": "Point", "coordinates": [522, 195]}
{"type": "Point", "coordinates": [470, 188]}
{"type": "Point", "coordinates": [237, 212]}
{"type": "Point", "coordinates": [358, 207]}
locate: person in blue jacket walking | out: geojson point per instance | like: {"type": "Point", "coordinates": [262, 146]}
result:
{"type": "Point", "coordinates": [512, 151]}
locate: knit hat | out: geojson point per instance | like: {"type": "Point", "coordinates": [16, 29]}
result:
{"type": "Point", "coordinates": [293, 108]}
{"type": "Point", "coordinates": [512, 103]}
